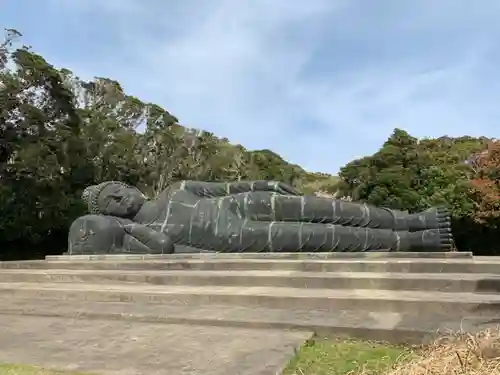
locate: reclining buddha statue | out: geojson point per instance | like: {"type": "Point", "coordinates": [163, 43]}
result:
{"type": "Point", "coordinates": [254, 216]}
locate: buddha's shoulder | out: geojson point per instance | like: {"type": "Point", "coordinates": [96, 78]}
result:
{"type": "Point", "coordinates": [176, 189]}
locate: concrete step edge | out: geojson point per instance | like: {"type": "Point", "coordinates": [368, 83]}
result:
{"type": "Point", "coordinates": [276, 292]}
{"type": "Point", "coordinates": [396, 336]}
{"type": "Point", "coordinates": [454, 305]}
{"type": "Point", "coordinates": [450, 283]}
{"type": "Point", "coordinates": [392, 327]}
{"type": "Point", "coordinates": [367, 330]}
{"type": "Point", "coordinates": [215, 255]}
{"type": "Point", "coordinates": [407, 266]}
{"type": "Point", "coordinates": [256, 273]}
{"type": "Point", "coordinates": [249, 261]}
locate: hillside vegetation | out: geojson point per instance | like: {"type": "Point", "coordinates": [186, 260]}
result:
{"type": "Point", "coordinates": [59, 134]}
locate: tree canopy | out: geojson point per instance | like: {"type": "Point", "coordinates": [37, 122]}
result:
{"type": "Point", "coordinates": [410, 174]}
{"type": "Point", "coordinates": [59, 134]}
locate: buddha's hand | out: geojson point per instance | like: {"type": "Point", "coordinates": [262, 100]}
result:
{"type": "Point", "coordinates": [158, 242]}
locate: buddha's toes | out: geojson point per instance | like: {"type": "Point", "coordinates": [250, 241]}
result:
{"type": "Point", "coordinates": [436, 239]}
{"type": "Point", "coordinates": [433, 218]}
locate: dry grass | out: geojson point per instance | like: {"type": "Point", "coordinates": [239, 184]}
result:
{"type": "Point", "coordinates": [456, 354]}
{"type": "Point", "coordinates": [452, 354]}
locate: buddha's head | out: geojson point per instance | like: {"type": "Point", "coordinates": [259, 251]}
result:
{"type": "Point", "coordinates": [113, 198]}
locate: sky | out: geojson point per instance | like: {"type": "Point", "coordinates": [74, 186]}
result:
{"type": "Point", "coordinates": [320, 82]}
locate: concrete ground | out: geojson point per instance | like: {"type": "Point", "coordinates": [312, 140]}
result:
{"type": "Point", "coordinates": [219, 315]}
{"type": "Point", "coordinates": [134, 348]}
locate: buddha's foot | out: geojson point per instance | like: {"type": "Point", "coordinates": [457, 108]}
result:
{"type": "Point", "coordinates": [433, 218]}
{"type": "Point", "coordinates": [431, 240]}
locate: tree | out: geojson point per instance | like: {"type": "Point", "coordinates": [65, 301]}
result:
{"type": "Point", "coordinates": [40, 150]}
{"type": "Point", "coordinates": [413, 175]}
{"type": "Point", "coordinates": [486, 185]}
{"type": "Point", "coordinates": [391, 177]}
{"type": "Point", "coordinates": [59, 134]}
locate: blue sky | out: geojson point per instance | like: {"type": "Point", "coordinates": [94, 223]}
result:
{"type": "Point", "coordinates": [320, 82]}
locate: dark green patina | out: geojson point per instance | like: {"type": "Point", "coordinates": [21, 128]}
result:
{"type": "Point", "coordinates": [254, 216]}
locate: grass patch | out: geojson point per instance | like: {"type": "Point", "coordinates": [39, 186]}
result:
{"type": "Point", "coordinates": [457, 353]}
{"type": "Point", "coordinates": [335, 357]}
{"type": "Point", "coordinates": [32, 370]}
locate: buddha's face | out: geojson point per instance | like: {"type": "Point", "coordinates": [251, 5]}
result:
{"type": "Point", "coordinates": [120, 201]}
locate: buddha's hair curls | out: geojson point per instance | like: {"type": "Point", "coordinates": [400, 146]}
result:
{"type": "Point", "coordinates": [91, 195]}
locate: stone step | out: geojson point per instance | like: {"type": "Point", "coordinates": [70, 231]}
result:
{"type": "Point", "coordinates": [392, 327]}
{"type": "Point", "coordinates": [414, 302]}
{"type": "Point", "coordinates": [444, 282]}
{"type": "Point", "coordinates": [309, 265]}
{"type": "Point", "coordinates": [303, 256]}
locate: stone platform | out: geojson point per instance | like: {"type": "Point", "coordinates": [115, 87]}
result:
{"type": "Point", "coordinates": [285, 298]}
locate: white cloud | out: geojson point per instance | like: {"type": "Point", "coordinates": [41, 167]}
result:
{"type": "Point", "coordinates": [319, 82]}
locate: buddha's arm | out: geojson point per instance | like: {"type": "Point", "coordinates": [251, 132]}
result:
{"type": "Point", "coordinates": [220, 189]}
{"type": "Point", "coordinates": [147, 238]}
{"type": "Point", "coordinates": [98, 234]}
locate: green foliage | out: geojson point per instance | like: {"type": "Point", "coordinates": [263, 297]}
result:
{"type": "Point", "coordinates": [390, 177]}
{"type": "Point", "coordinates": [314, 183]}
{"type": "Point", "coordinates": [58, 134]}
{"type": "Point", "coordinates": [409, 174]}
{"type": "Point", "coordinates": [413, 175]}
{"type": "Point", "coordinates": [40, 147]}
